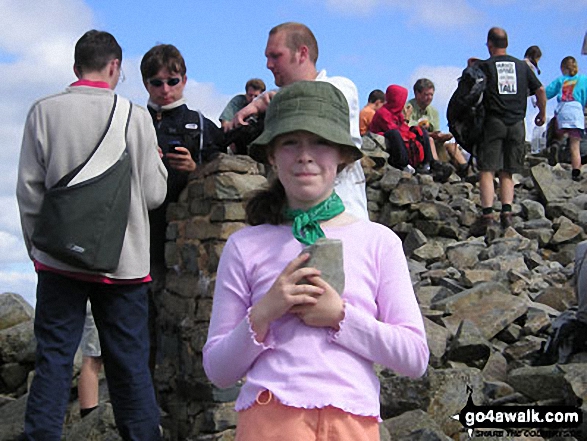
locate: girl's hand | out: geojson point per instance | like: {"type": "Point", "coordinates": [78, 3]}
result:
{"type": "Point", "coordinates": [285, 294]}
{"type": "Point", "coordinates": [328, 311]}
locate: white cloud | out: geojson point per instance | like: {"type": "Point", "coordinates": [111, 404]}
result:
{"type": "Point", "coordinates": [444, 15]}
{"type": "Point", "coordinates": [9, 217]}
{"type": "Point", "coordinates": [445, 79]}
{"type": "Point", "coordinates": [40, 38]}
{"type": "Point", "coordinates": [37, 40]}
{"type": "Point", "coordinates": [36, 44]}
{"type": "Point", "coordinates": [22, 283]}
{"type": "Point", "coordinates": [12, 249]}
{"type": "Point", "coordinates": [356, 7]}
{"type": "Point", "coordinates": [205, 97]}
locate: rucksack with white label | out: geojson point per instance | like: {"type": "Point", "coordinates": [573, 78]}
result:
{"type": "Point", "coordinates": [465, 112]}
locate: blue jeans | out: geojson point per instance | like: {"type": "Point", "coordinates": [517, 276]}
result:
{"type": "Point", "coordinates": [120, 312]}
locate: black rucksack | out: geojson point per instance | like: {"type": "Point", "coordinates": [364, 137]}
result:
{"type": "Point", "coordinates": [465, 112]}
{"type": "Point", "coordinates": [568, 337]}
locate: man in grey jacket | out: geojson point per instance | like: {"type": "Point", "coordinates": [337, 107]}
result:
{"type": "Point", "coordinates": [60, 132]}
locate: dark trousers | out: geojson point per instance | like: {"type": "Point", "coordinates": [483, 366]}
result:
{"type": "Point", "coordinates": [120, 312]}
{"type": "Point", "coordinates": [398, 152]}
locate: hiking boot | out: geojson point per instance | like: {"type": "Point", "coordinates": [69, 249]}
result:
{"type": "Point", "coordinates": [423, 169]}
{"type": "Point", "coordinates": [463, 170]}
{"type": "Point", "coordinates": [409, 169]}
{"type": "Point", "coordinates": [441, 171]}
{"type": "Point", "coordinates": [480, 226]}
{"type": "Point", "coordinates": [552, 154]}
{"type": "Point", "coordinates": [507, 219]}
{"type": "Point", "coordinates": [576, 174]}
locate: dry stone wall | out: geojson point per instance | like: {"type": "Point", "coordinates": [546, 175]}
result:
{"type": "Point", "coordinates": [210, 210]}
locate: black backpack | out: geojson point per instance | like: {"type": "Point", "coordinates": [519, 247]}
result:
{"type": "Point", "coordinates": [465, 112]}
{"type": "Point", "coordinates": [568, 337]}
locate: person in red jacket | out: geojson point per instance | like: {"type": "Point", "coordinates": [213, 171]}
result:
{"type": "Point", "coordinates": [391, 115]}
{"type": "Point", "coordinates": [406, 145]}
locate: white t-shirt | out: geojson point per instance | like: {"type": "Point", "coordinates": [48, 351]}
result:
{"type": "Point", "coordinates": [350, 183]}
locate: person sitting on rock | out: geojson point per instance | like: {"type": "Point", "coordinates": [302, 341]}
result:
{"type": "Point", "coordinates": [374, 103]}
{"type": "Point", "coordinates": [425, 115]}
{"type": "Point", "coordinates": [253, 89]}
{"type": "Point", "coordinates": [406, 145]}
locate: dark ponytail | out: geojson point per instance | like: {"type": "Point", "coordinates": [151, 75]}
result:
{"type": "Point", "coordinates": [533, 54]}
{"type": "Point", "coordinates": [266, 206]}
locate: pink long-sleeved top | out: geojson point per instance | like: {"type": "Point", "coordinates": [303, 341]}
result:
{"type": "Point", "coordinates": [309, 367]}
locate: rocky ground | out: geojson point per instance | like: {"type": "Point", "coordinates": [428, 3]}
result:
{"type": "Point", "coordinates": [488, 305]}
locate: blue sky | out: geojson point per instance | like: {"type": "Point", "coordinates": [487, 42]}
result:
{"type": "Point", "coordinates": [375, 43]}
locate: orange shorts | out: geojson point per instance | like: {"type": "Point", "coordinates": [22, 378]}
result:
{"type": "Point", "coordinates": [270, 420]}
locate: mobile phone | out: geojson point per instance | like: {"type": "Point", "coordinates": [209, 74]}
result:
{"type": "Point", "coordinates": [171, 145]}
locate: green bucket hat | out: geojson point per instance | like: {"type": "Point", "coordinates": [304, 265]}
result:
{"type": "Point", "coordinates": [312, 106]}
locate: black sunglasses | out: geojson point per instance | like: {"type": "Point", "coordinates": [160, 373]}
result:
{"type": "Point", "coordinates": [155, 82]}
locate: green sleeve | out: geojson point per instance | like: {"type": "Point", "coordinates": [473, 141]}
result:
{"type": "Point", "coordinates": [434, 119]}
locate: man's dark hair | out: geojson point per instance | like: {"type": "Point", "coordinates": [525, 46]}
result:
{"type": "Point", "coordinates": [94, 50]}
{"type": "Point", "coordinates": [256, 84]}
{"type": "Point", "coordinates": [162, 56]}
{"type": "Point", "coordinates": [497, 37]}
{"type": "Point", "coordinates": [376, 95]}
{"type": "Point", "coordinates": [297, 35]}
{"type": "Point", "coordinates": [421, 84]}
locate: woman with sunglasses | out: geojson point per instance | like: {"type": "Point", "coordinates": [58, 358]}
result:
{"type": "Point", "coordinates": [306, 350]}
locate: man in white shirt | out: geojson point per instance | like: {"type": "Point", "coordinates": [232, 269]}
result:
{"type": "Point", "coordinates": [292, 52]}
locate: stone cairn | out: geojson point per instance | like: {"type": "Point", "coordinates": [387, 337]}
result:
{"type": "Point", "coordinates": [488, 303]}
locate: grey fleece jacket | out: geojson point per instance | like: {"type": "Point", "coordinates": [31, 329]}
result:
{"type": "Point", "coordinates": [60, 132]}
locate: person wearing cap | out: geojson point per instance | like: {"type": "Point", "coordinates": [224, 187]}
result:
{"type": "Point", "coordinates": [306, 350]}
{"type": "Point", "coordinates": [292, 53]}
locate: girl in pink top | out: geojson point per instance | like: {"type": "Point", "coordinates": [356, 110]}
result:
{"type": "Point", "coordinates": [307, 351]}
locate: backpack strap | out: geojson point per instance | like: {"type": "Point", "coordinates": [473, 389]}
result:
{"type": "Point", "coordinates": [190, 127]}
{"type": "Point", "coordinates": [201, 146]}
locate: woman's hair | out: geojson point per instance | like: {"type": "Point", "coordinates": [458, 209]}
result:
{"type": "Point", "coordinates": [266, 205]}
{"type": "Point", "coordinates": [533, 54]}
{"type": "Point", "coordinates": [570, 64]}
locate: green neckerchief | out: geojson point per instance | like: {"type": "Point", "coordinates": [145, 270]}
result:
{"type": "Point", "coordinates": [306, 224]}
